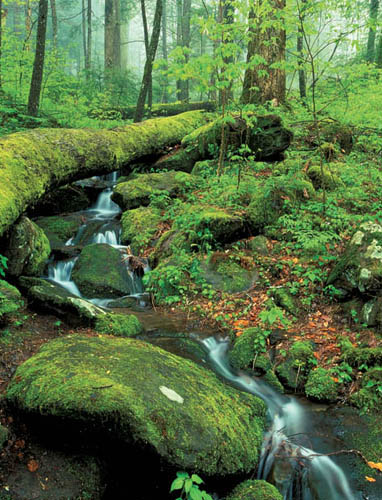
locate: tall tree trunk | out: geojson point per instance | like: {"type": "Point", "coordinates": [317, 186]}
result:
{"type": "Point", "coordinates": [88, 56]}
{"type": "Point", "coordinates": [28, 23]}
{"type": "Point", "coordinates": [147, 46]}
{"type": "Point", "coordinates": [379, 51]}
{"type": "Point", "coordinates": [184, 90]}
{"type": "Point", "coordinates": [164, 50]}
{"type": "Point", "coordinates": [179, 12]}
{"type": "Point", "coordinates": [370, 51]}
{"type": "Point", "coordinates": [139, 112]}
{"type": "Point", "coordinates": [54, 22]}
{"type": "Point", "coordinates": [226, 11]}
{"type": "Point", "coordinates": [38, 65]}
{"type": "Point", "coordinates": [261, 82]}
{"type": "Point", "coordinates": [300, 52]}
{"type": "Point", "coordinates": [84, 30]}
{"type": "Point", "coordinates": [112, 35]}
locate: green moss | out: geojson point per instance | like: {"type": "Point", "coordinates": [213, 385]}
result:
{"type": "Point", "coordinates": [324, 178]}
{"type": "Point", "coordinates": [59, 228]}
{"type": "Point", "coordinates": [320, 386]}
{"type": "Point", "coordinates": [32, 162]}
{"type": "Point", "coordinates": [242, 353]}
{"type": "Point", "coordinates": [28, 249]}
{"type": "Point", "coordinates": [205, 168]}
{"type": "Point", "coordinates": [101, 272]}
{"type": "Point", "coordinates": [255, 490]}
{"type": "Point", "coordinates": [187, 427]}
{"type": "Point", "coordinates": [357, 356]}
{"type": "Point", "coordinates": [285, 299]}
{"type": "Point", "coordinates": [225, 274]}
{"type": "Point", "coordinates": [259, 245]}
{"type": "Point", "coordinates": [120, 325]}
{"type": "Point", "coordinates": [139, 190]}
{"type": "Point", "coordinates": [10, 299]}
{"type": "Point", "coordinates": [139, 227]}
{"type": "Point", "coordinates": [170, 242]}
{"type": "Point", "coordinates": [180, 159]}
{"type": "Point", "coordinates": [294, 370]}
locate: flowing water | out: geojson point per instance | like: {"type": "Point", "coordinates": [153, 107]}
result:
{"type": "Point", "coordinates": [291, 466]}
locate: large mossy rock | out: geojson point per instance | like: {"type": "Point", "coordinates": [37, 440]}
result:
{"type": "Point", "coordinates": [50, 297]}
{"type": "Point", "coordinates": [28, 249]}
{"type": "Point", "coordinates": [101, 272]}
{"type": "Point", "coordinates": [267, 139]}
{"type": "Point", "coordinates": [151, 399]}
{"type": "Point", "coordinates": [275, 198]}
{"type": "Point", "coordinates": [320, 386]}
{"type": "Point", "coordinates": [139, 227]}
{"type": "Point", "coordinates": [60, 228]}
{"type": "Point", "coordinates": [255, 490]}
{"type": "Point", "coordinates": [224, 273]}
{"type": "Point", "coordinates": [139, 190]}
{"type": "Point", "coordinates": [293, 372]}
{"type": "Point", "coordinates": [10, 300]}
{"type": "Point", "coordinates": [359, 269]}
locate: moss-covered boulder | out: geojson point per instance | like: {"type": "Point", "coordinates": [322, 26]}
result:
{"type": "Point", "coordinates": [255, 490]}
{"type": "Point", "coordinates": [369, 395]}
{"type": "Point", "coordinates": [150, 399]}
{"type": "Point", "coordinates": [294, 370]}
{"type": "Point", "coordinates": [27, 250]}
{"type": "Point", "coordinates": [139, 190]}
{"type": "Point", "coordinates": [275, 198]}
{"type": "Point", "coordinates": [60, 228]}
{"type": "Point", "coordinates": [325, 177]}
{"type": "Point", "coordinates": [242, 354]}
{"type": "Point", "coordinates": [360, 267]}
{"type": "Point", "coordinates": [259, 245]}
{"type": "Point", "coordinates": [50, 297]}
{"type": "Point", "coordinates": [120, 325]}
{"type": "Point", "coordinates": [284, 299]}
{"type": "Point", "coordinates": [101, 271]}
{"type": "Point", "coordinates": [227, 274]}
{"type": "Point", "coordinates": [10, 300]}
{"type": "Point", "coordinates": [139, 227]}
{"type": "Point", "coordinates": [321, 387]}
{"type": "Point", "coordinates": [170, 242]}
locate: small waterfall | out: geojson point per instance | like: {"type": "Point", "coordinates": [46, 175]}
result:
{"type": "Point", "coordinates": [297, 473]}
{"type": "Point", "coordinates": [61, 273]}
{"type": "Point", "coordinates": [110, 237]}
{"type": "Point", "coordinates": [104, 205]}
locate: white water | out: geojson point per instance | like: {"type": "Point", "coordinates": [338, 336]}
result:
{"type": "Point", "coordinates": [61, 273]}
{"type": "Point", "coordinates": [297, 473]}
{"type": "Point", "coordinates": [110, 236]}
{"type": "Point", "coordinates": [104, 206]}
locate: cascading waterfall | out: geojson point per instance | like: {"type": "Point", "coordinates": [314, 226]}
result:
{"type": "Point", "coordinates": [61, 273]}
{"type": "Point", "coordinates": [293, 468]}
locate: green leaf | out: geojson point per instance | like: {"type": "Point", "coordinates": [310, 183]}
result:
{"type": "Point", "coordinates": [187, 485]}
{"type": "Point", "coordinates": [195, 493]}
{"type": "Point", "coordinates": [177, 484]}
{"type": "Point", "coordinates": [196, 479]}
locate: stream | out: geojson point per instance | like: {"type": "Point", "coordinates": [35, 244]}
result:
{"type": "Point", "coordinates": [287, 458]}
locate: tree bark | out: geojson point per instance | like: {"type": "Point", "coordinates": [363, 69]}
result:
{"type": "Point", "coordinates": [179, 10]}
{"type": "Point", "coordinates": [84, 40]}
{"type": "Point", "coordinates": [164, 50]}
{"type": "Point", "coordinates": [54, 22]}
{"type": "Point", "coordinates": [370, 51]}
{"type": "Point", "coordinates": [88, 56]}
{"type": "Point", "coordinates": [300, 52]}
{"type": "Point", "coordinates": [261, 82]}
{"type": "Point", "coordinates": [35, 161]}
{"type": "Point", "coordinates": [147, 45]}
{"type": "Point", "coordinates": [38, 65]}
{"type": "Point", "coordinates": [379, 51]}
{"type": "Point", "coordinates": [28, 23]}
{"type": "Point", "coordinates": [184, 85]}
{"type": "Point", "coordinates": [147, 74]}
{"type": "Point", "coordinates": [112, 35]}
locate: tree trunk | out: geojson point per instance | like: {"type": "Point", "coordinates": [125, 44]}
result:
{"type": "Point", "coordinates": [261, 82]}
{"type": "Point", "coordinates": [88, 56]}
{"type": "Point", "coordinates": [184, 88]}
{"type": "Point", "coordinates": [164, 51]}
{"type": "Point", "coordinates": [300, 52]}
{"type": "Point", "coordinates": [112, 35]}
{"type": "Point", "coordinates": [28, 23]}
{"type": "Point", "coordinates": [147, 45]}
{"type": "Point", "coordinates": [117, 35]}
{"type": "Point", "coordinates": [226, 11]}
{"type": "Point", "coordinates": [179, 10]}
{"type": "Point", "coordinates": [84, 30]}
{"type": "Point", "coordinates": [54, 22]}
{"type": "Point", "coordinates": [147, 74]}
{"type": "Point", "coordinates": [370, 52]}
{"type": "Point", "coordinates": [38, 65]}
{"type": "Point", "coordinates": [379, 51]}
{"type": "Point", "coordinates": [34, 161]}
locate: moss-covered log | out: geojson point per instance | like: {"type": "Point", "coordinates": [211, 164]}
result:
{"type": "Point", "coordinates": [158, 110]}
{"type": "Point", "coordinates": [34, 161]}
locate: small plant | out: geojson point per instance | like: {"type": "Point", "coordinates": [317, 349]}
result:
{"type": "Point", "coordinates": [189, 487]}
{"type": "Point", "coordinates": [344, 372]}
{"type": "Point", "coordinates": [3, 265]}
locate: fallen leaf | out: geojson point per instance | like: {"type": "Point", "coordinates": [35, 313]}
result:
{"type": "Point", "coordinates": [32, 465]}
{"type": "Point", "coordinates": [370, 479]}
{"type": "Point", "coordinates": [375, 465]}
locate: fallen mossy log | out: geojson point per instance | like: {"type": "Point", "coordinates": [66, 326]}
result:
{"type": "Point", "coordinates": [35, 161]}
{"type": "Point", "coordinates": [157, 110]}
{"type": "Point", "coordinates": [267, 139]}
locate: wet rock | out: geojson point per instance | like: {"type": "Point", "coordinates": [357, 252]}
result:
{"type": "Point", "coordinates": [10, 300]}
{"type": "Point", "coordinates": [48, 296]}
{"type": "Point", "coordinates": [27, 250]}
{"type": "Point", "coordinates": [255, 490]}
{"type": "Point", "coordinates": [101, 271]}
{"type": "Point", "coordinates": [60, 228]}
{"type": "Point", "coordinates": [139, 227]}
{"type": "Point", "coordinates": [359, 269]}
{"type": "Point", "coordinates": [139, 190]}
{"type": "Point", "coordinates": [147, 398]}
{"type": "Point", "coordinates": [224, 273]}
